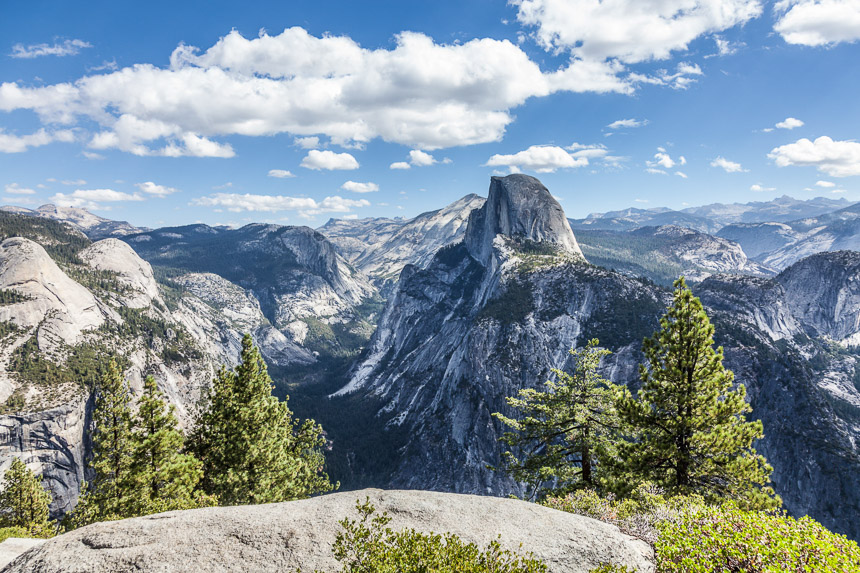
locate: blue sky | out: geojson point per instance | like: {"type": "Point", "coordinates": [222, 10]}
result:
{"type": "Point", "coordinates": [293, 112]}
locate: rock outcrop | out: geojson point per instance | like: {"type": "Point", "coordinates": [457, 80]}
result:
{"type": "Point", "coordinates": [92, 226]}
{"type": "Point", "coordinates": [518, 206]}
{"type": "Point", "coordinates": [299, 535]}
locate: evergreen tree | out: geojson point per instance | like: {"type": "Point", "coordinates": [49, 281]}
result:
{"type": "Point", "coordinates": [692, 436]}
{"type": "Point", "coordinates": [252, 449]}
{"type": "Point", "coordinates": [24, 502]}
{"type": "Point", "coordinates": [162, 477]}
{"type": "Point", "coordinates": [565, 431]}
{"type": "Point", "coordinates": [109, 495]}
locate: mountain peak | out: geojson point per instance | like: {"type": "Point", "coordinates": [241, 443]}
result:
{"type": "Point", "coordinates": [518, 205]}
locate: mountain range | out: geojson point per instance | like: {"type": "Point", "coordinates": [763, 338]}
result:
{"type": "Point", "coordinates": [403, 336]}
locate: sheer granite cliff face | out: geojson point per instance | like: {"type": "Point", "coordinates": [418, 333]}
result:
{"type": "Point", "coordinates": [491, 316]}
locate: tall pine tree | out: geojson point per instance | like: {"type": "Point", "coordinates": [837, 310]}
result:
{"type": "Point", "coordinates": [692, 435]}
{"type": "Point", "coordinates": [564, 432]}
{"type": "Point", "coordinates": [162, 478]}
{"type": "Point", "coordinates": [24, 502]}
{"type": "Point", "coordinates": [109, 494]}
{"type": "Point", "coordinates": [252, 449]}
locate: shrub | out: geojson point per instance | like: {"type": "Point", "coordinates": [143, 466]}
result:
{"type": "Point", "coordinates": [7, 532]}
{"type": "Point", "coordinates": [724, 539]}
{"type": "Point", "coordinates": [367, 545]}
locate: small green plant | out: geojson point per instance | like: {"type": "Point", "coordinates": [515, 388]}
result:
{"type": "Point", "coordinates": [368, 545]}
{"type": "Point", "coordinates": [7, 532]}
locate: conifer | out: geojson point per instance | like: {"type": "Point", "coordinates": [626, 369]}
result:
{"type": "Point", "coordinates": [252, 449]}
{"type": "Point", "coordinates": [162, 477]}
{"type": "Point", "coordinates": [691, 433]}
{"type": "Point", "coordinates": [24, 501]}
{"type": "Point", "coordinates": [108, 495]}
{"type": "Point", "coordinates": [564, 433]}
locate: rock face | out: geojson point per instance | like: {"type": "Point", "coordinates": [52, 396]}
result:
{"type": "Point", "coordinates": [50, 443]}
{"type": "Point", "coordinates": [459, 336]}
{"type": "Point", "coordinates": [518, 206]}
{"type": "Point", "coordinates": [380, 248]}
{"type": "Point", "coordinates": [299, 534]}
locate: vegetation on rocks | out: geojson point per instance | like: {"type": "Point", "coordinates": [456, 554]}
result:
{"type": "Point", "coordinates": [367, 545]}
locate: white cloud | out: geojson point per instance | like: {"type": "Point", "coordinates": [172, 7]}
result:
{"type": "Point", "coordinates": [539, 158]}
{"type": "Point", "coordinates": [655, 171]}
{"type": "Point", "coordinates": [726, 165]}
{"type": "Point", "coordinates": [627, 123]}
{"type": "Point", "coordinates": [329, 160]}
{"type": "Point", "coordinates": [579, 150]}
{"type": "Point", "coordinates": [356, 187]}
{"type": "Point", "coordinates": [93, 198]}
{"type": "Point", "coordinates": [306, 206]}
{"type": "Point", "coordinates": [662, 159]}
{"type": "Point", "coordinates": [825, 184]}
{"type": "Point", "coordinates": [151, 188]}
{"type": "Point", "coordinates": [629, 30]}
{"type": "Point", "coordinates": [15, 189]}
{"type": "Point", "coordinates": [417, 93]}
{"type": "Point", "coordinates": [10, 143]}
{"type": "Point", "coordinates": [681, 174]}
{"type": "Point", "coordinates": [74, 182]}
{"type": "Point", "coordinates": [818, 22]}
{"type": "Point", "coordinates": [399, 165]}
{"type": "Point", "coordinates": [280, 173]}
{"type": "Point", "coordinates": [758, 188]}
{"type": "Point", "coordinates": [641, 200]}
{"type": "Point", "coordinates": [92, 155]}
{"type": "Point", "coordinates": [789, 123]}
{"type": "Point", "coordinates": [310, 142]}
{"type": "Point", "coordinates": [67, 48]}
{"type": "Point", "coordinates": [420, 158]}
{"type": "Point", "coordinates": [835, 158]}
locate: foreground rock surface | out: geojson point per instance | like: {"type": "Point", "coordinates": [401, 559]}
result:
{"type": "Point", "coordinates": [299, 534]}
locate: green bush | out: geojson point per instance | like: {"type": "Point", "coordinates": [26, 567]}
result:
{"type": "Point", "coordinates": [725, 539]}
{"type": "Point", "coordinates": [7, 532]}
{"type": "Point", "coordinates": [690, 536]}
{"type": "Point", "coordinates": [367, 545]}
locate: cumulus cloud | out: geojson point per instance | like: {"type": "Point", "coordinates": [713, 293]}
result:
{"type": "Point", "coordinates": [627, 123]}
{"type": "Point", "coordinates": [67, 48]}
{"type": "Point", "coordinates": [280, 173]}
{"type": "Point", "coordinates": [307, 207]}
{"type": "Point", "coordinates": [10, 143]}
{"type": "Point", "coordinates": [420, 158]}
{"type": "Point", "coordinates": [789, 123]}
{"type": "Point", "coordinates": [726, 165]}
{"type": "Point", "coordinates": [825, 184]}
{"type": "Point", "coordinates": [629, 30]}
{"type": "Point", "coordinates": [818, 22]}
{"type": "Point", "coordinates": [356, 187]}
{"type": "Point", "coordinates": [418, 93]}
{"type": "Point", "coordinates": [835, 158]}
{"type": "Point", "coordinates": [329, 160]}
{"type": "Point", "coordinates": [310, 142]}
{"type": "Point", "coordinates": [15, 189]}
{"type": "Point", "coordinates": [539, 158]}
{"type": "Point", "coordinates": [93, 199]}
{"type": "Point", "coordinates": [151, 188]}
{"type": "Point", "coordinates": [399, 165]}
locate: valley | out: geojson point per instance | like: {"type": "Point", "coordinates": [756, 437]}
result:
{"type": "Point", "coordinates": [403, 336]}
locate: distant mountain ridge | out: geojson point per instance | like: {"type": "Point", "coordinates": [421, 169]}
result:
{"type": "Point", "coordinates": [92, 226]}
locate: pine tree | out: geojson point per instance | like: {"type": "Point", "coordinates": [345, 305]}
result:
{"type": "Point", "coordinates": [108, 495]}
{"type": "Point", "coordinates": [692, 435]}
{"type": "Point", "coordinates": [252, 449]}
{"type": "Point", "coordinates": [24, 502]}
{"type": "Point", "coordinates": [162, 478]}
{"type": "Point", "coordinates": [565, 431]}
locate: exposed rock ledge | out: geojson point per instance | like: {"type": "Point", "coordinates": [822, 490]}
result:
{"type": "Point", "coordinates": [284, 536]}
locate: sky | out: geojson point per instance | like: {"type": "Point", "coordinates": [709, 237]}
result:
{"type": "Point", "coordinates": [167, 114]}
